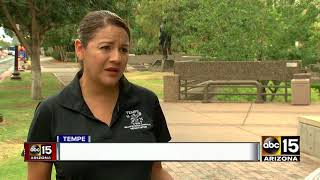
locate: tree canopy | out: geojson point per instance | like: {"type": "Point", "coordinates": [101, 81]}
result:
{"type": "Point", "coordinates": [215, 29]}
{"type": "Point", "coordinates": [31, 19]}
{"type": "Point", "coordinates": [233, 30]}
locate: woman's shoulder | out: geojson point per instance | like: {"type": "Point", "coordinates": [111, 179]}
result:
{"type": "Point", "coordinates": [143, 92]}
{"type": "Point", "coordinates": [49, 102]}
{"type": "Point", "coordinates": [67, 97]}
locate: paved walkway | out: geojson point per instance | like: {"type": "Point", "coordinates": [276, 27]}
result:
{"type": "Point", "coordinates": [225, 122]}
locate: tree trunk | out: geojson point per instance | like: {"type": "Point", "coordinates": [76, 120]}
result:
{"type": "Point", "coordinates": [162, 65]}
{"type": "Point", "coordinates": [35, 59]}
{"type": "Point", "coordinates": [63, 53]}
{"type": "Point", "coordinates": [60, 53]}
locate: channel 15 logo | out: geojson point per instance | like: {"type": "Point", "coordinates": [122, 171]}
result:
{"type": "Point", "coordinates": [280, 148]}
{"type": "Point", "coordinates": [40, 152]}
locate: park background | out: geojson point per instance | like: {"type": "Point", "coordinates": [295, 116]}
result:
{"type": "Point", "coordinates": [243, 30]}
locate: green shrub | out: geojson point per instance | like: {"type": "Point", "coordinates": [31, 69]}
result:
{"type": "Point", "coordinates": [56, 55]}
{"type": "Point", "coordinates": [48, 51]}
{"type": "Point", "coordinates": [70, 56]}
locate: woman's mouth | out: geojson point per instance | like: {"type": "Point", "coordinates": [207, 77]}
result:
{"type": "Point", "coordinates": [112, 69]}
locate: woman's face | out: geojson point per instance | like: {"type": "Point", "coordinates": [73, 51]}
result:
{"type": "Point", "coordinates": [106, 55]}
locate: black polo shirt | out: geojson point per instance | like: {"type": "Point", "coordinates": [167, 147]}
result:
{"type": "Point", "coordinates": [137, 117]}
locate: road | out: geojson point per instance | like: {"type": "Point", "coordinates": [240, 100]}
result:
{"type": "Point", "coordinates": [6, 63]}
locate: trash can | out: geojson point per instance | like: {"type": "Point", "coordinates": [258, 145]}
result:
{"type": "Point", "coordinates": [300, 92]}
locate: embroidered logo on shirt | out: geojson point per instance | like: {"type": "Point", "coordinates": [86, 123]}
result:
{"type": "Point", "coordinates": [136, 120]}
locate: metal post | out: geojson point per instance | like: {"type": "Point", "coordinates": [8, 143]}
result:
{"type": "Point", "coordinates": [16, 74]}
{"type": "Point", "coordinates": [259, 98]}
{"type": "Point", "coordinates": [286, 91]}
{"type": "Point", "coordinates": [185, 89]}
{"type": "Point", "coordinates": [205, 94]}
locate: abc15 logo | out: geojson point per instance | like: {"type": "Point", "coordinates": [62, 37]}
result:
{"type": "Point", "coordinates": [40, 149]}
{"type": "Point", "coordinates": [280, 145]}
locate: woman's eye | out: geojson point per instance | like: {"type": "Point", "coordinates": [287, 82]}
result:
{"type": "Point", "coordinates": [124, 50]}
{"type": "Point", "coordinates": [105, 47]}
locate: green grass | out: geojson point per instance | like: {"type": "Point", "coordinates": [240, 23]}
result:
{"type": "Point", "coordinates": [17, 108]}
{"type": "Point", "coordinates": [13, 169]}
{"type": "Point", "coordinates": [316, 88]}
{"type": "Point", "coordinates": [150, 80]}
{"type": "Point", "coordinates": [155, 85]}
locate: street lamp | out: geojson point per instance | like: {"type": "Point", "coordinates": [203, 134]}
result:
{"type": "Point", "coordinates": [1, 117]}
{"type": "Point", "coordinates": [16, 74]}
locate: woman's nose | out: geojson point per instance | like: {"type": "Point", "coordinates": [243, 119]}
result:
{"type": "Point", "coordinates": [115, 55]}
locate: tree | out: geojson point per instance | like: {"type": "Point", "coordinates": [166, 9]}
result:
{"type": "Point", "coordinates": [233, 30]}
{"type": "Point", "coordinates": [4, 44]}
{"type": "Point", "coordinates": [60, 40]}
{"type": "Point", "coordinates": [31, 19]}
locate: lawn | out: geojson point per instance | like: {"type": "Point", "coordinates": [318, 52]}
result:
{"type": "Point", "coordinates": [17, 108]}
{"type": "Point", "coordinates": [150, 80]}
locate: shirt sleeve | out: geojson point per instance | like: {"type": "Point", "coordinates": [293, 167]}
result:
{"type": "Point", "coordinates": [162, 133]}
{"type": "Point", "coordinates": [41, 125]}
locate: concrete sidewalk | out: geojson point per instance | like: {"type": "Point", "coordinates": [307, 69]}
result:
{"type": "Point", "coordinates": [225, 122]}
{"type": "Point", "coordinates": [236, 122]}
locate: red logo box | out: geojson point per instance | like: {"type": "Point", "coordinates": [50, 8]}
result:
{"type": "Point", "coordinates": [40, 151]}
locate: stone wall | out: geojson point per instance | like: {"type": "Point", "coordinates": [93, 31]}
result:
{"type": "Point", "coordinates": [149, 59]}
{"type": "Point", "coordinates": [238, 70]}
{"type": "Point", "coordinates": [141, 59]}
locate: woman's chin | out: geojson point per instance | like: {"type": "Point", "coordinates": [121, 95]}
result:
{"type": "Point", "coordinates": [110, 81]}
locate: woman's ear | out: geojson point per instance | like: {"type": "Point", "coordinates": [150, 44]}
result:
{"type": "Point", "coordinates": [79, 48]}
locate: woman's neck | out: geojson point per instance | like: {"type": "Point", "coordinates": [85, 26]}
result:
{"type": "Point", "coordinates": [91, 89]}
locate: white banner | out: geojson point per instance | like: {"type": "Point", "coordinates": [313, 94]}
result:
{"type": "Point", "coordinates": [158, 151]}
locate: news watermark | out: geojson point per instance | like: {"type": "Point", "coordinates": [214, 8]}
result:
{"type": "Point", "coordinates": [40, 152]}
{"type": "Point", "coordinates": [280, 148]}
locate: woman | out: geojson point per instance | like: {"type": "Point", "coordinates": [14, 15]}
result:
{"type": "Point", "coordinates": [101, 103]}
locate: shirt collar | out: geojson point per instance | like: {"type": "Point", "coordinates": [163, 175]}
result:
{"type": "Point", "coordinates": [71, 96]}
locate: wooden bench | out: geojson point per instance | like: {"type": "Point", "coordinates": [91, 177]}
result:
{"type": "Point", "coordinates": [203, 74]}
{"type": "Point", "coordinates": [242, 83]}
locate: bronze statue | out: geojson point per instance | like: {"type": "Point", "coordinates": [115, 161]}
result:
{"type": "Point", "coordinates": [165, 41]}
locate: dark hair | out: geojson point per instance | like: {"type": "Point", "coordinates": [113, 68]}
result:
{"type": "Point", "coordinates": [96, 20]}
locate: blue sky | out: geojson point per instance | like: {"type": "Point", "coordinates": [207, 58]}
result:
{"type": "Point", "coordinates": [6, 38]}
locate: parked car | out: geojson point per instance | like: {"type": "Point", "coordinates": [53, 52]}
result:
{"type": "Point", "coordinates": [11, 53]}
{"type": "Point", "coordinates": [11, 50]}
